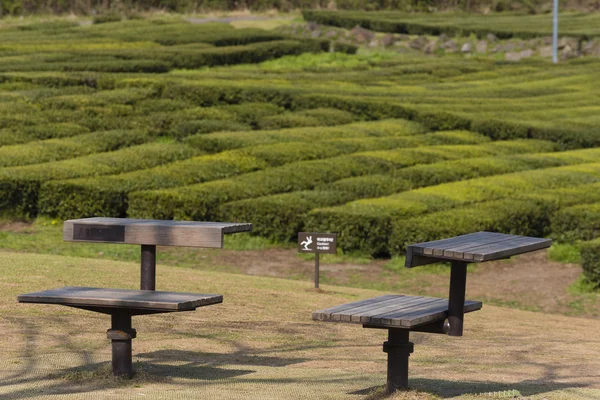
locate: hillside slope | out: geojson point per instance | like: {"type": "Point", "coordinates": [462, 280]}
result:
{"type": "Point", "coordinates": [261, 343]}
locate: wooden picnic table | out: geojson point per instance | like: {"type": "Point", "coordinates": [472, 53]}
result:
{"type": "Point", "coordinates": [122, 304]}
{"type": "Point", "coordinates": [401, 314]}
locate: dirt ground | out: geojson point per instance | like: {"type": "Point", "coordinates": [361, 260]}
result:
{"type": "Point", "coordinates": [262, 344]}
{"type": "Point", "coordinates": [531, 281]}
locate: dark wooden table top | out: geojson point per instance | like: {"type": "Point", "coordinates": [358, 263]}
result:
{"type": "Point", "coordinates": [474, 247]}
{"type": "Point", "coordinates": [392, 311]}
{"type": "Point", "coordinates": [151, 232]}
{"type": "Point", "coordinates": [121, 298]}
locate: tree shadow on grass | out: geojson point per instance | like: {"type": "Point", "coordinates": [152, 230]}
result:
{"type": "Point", "coordinates": [233, 358]}
{"type": "Point", "coordinates": [447, 389]}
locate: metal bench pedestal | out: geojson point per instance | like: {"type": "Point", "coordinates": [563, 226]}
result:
{"type": "Point", "coordinates": [121, 334]}
{"type": "Point", "coordinates": [401, 314]}
{"type": "Point", "coordinates": [398, 349]}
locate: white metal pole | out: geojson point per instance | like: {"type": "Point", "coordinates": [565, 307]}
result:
{"type": "Point", "coordinates": [555, 33]}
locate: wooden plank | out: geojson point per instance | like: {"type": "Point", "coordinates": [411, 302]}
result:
{"type": "Point", "coordinates": [387, 319]}
{"type": "Point", "coordinates": [474, 247]}
{"type": "Point", "coordinates": [121, 298]}
{"type": "Point", "coordinates": [346, 315]}
{"type": "Point", "coordinates": [427, 248]}
{"type": "Point", "coordinates": [478, 237]}
{"type": "Point", "coordinates": [366, 316]}
{"type": "Point", "coordinates": [508, 249]}
{"type": "Point", "coordinates": [431, 314]}
{"type": "Point", "coordinates": [389, 311]}
{"type": "Point", "coordinates": [325, 314]}
{"type": "Point", "coordinates": [421, 303]}
{"type": "Point", "coordinates": [150, 232]}
{"type": "Point", "coordinates": [458, 251]}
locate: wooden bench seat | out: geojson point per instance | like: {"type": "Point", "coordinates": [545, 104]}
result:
{"type": "Point", "coordinates": [402, 314]}
{"type": "Point", "coordinates": [392, 311]}
{"type": "Point", "coordinates": [138, 301]}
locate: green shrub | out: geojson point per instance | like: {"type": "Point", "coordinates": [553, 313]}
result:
{"type": "Point", "coordinates": [378, 216]}
{"type": "Point", "coordinates": [107, 195]}
{"type": "Point", "coordinates": [590, 255]}
{"type": "Point", "coordinates": [106, 18]}
{"type": "Point", "coordinates": [40, 132]}
{"type": "Point", "coordinates": [225, 141]}
{"type": "Point", "coordinates": [200, 202]}
{"type": "Point", "coordinates": [188, 128]}
{"type": "Point", "coordinates": [19, 186]}
{"type": "Point", "coordinates": [278, 217]}
{"type": "Point", "coordinates": [60, 149]}
{"type": "Point", "coordinates": [520, 217]}
{"type": "Point", "coordinates": [314, 117]}
{"type": "Point", "coordinates": [581, 222]}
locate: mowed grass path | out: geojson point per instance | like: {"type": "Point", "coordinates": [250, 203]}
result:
{"type": "Point", "coordinates": [261, 343]}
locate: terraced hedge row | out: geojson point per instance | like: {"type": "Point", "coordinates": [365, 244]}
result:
{"type": "Point", "coordinates": [288, 215]}
{"type": "Point", "coordinates": [62, 198]}
{"type": "Point", "coordinates": [202, 202]}
{"type": "Point", "coordinates": [590, 254]}
{"type": "Point", "coordinates": [504, 26]}
{"type": "Point", "coordinates": [20, 186]}
{"type": "Point", "coordinates": [146, 46]}
{"type": "Point", "coordinates": [386, 217]}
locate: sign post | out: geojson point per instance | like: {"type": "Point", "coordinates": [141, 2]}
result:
{"type": "Point", "coordinates": [317, 243]}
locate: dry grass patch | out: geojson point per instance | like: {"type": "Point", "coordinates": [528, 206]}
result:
{"type": "Point", "coordinates": [261, 343]}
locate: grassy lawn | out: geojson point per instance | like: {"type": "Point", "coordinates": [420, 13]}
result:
{"type": "Point", "coordinates": [261, 343]}
{"type": "Point", "coordinates": [538, 282]}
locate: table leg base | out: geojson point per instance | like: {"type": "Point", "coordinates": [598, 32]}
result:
{"type": "Point", "coordinates": [398, 349]}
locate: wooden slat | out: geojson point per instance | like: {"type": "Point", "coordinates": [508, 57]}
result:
{"type": "Point", "coordinates": [347, 314]}
{"type": "Point", "coordinates": [121, 298]}
{"type": "Point", "coordinates": [325, 315]}
{"type": "Point", "coordinates": [390, 311]}
{"type": "Point", "coordinates": [474, 247]}
{"type": "Point", "coordinates": [150, 232]}
{"type": "Point", "coordinates": [388, 318]}
{"type": "Point", "coordinates": [459, 250]}
{"type": "Point", "coordinates": [376, 319]}
{"type": "Point", "coordinates": [431, 315]}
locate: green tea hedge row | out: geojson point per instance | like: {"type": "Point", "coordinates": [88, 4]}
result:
{"type": "Point", "coordinates": [581, 222]}
{"type": "Point", "coordinates": [590, 255]}
{"type": "Point", "coordinates": [60, 149]}
{"type": "Point", "coordinates": [383, 185]}
{"type": "Point", "coordinates": [504, 27]}
{"type": "Point", "coordinates": [201, 202]}
{"type": "Point", "coordinates": [19, 186]}
{"type": "Point", "coordinates": [108, 195]}
{"type": "Point", "coordinates": [23, 134]}
{"type": "Point", "coordinates": [218, 142]}
{"type": "Point", "coordinates": [314, 117]}
{"type": "Point", "coordinates": [65, 198]}
{"type": "Point", "coordinates": [378, 216]}
{"type": "Point", "coordinates": [526, 214]}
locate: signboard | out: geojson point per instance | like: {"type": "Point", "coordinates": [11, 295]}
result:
{"type": "Point", "coordinates": [312, 242]}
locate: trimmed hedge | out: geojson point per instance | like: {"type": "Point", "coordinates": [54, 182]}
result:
{"type": "Point", "coordinates": [377, 216]}
{"type": "Point", "coordinates": [19, 186]}
{"type": "Point", "coordinates": [315, 117]}
{"type": "Point", "coordinates": [218, 142]}
{"type": "Point", "coordinates": [24, 134]}
{"type": "Point", "coordinates": [115, 188]}
{"type": "Point", "coordinates": [590, 255]}
{"type": "Point", "coordinates": [108, 195]}
{"type": "Point", "coordinates": [503, 26]}
{"type": "Point", "coordinates": [60, 149]}
{"type": "Point", "coordinates": [581, 222]}
{"type": "Point", "coordinates": [279, 217]}
{"type": "Point", "coordinates": [202, 126]}
{"type": "Point", "coordinates": [200, 202]}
